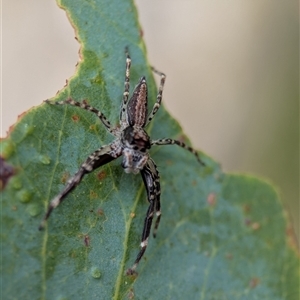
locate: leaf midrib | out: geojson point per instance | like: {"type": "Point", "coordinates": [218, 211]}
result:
{"type": "Point", "coordinates": [45, 239]}
{"type": "Point", "coordinates": [116, 295]}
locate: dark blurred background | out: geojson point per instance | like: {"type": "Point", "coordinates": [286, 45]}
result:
{"type": "Point", "coordinates": [232, 76]}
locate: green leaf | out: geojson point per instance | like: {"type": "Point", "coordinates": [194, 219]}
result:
{"type": "Point", "coordinates": [222, 236]}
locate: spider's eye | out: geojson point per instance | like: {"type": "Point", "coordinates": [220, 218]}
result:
{"type": "Point", "coordinates": [137, 139]}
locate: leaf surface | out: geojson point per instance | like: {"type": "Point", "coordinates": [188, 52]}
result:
{"type": "Point", "coordinates": [222, 236]}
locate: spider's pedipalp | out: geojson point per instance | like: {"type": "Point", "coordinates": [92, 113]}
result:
{"type": "Point", "coordinates": [87, 107]}
{"type": "Point", "coordinates": [97, 159]}
{"type": "Point", "coordinates": [159, 95]}
{"type": "Point", "coordinates": [162, 142]}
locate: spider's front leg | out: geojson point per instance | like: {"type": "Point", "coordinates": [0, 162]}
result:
{"type": "Point", "coordinates": [126, 88]}
{"type": "Point", "coordinates": [87, 107]}
{"type": "Point", "coordinates": [97, 159]}
{"type": "Point", "coordinates": [159, 95]}
{"type": "Point", "coordinates": [151, 180]}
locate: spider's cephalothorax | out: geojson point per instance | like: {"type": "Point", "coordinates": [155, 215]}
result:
{"type": "Point", "coordinates": [135, 143]}
{"type": "Point", "coordinates": [132, 142]}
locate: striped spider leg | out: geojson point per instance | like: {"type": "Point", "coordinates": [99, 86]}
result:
{"type": "Point", "coordinates": [132, 143]}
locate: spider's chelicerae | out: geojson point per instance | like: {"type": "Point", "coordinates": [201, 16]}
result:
{"type": "Point", "coordinates": [131, 141]}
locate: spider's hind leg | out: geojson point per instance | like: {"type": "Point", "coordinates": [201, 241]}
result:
{"type": "Point", "coordinates": [151, 180]}
{"type": "Point", "coordinates": [97, 159]}
{"type": "Point", "coordinates": [157, 209]}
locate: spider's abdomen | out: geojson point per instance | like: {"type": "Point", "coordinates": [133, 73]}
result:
{"type": "Point", "coordinates": [137, 105]}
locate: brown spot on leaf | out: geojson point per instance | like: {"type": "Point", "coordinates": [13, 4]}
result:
{"type": "Point", "coordinates": [64, 177]}
{"type": "Point", "coordinates": [247, 222]}
{"type": "Point", "coordinates": [132, 215]}
{"type": "Point", "coordinates": [100, 212]}
{"type": "Point", "coordinates": [6, 171]}
{"type": "Point", "coordinates": [254, 282]}
{"type": "Point", "coordinates": [101, 175]}
{"type": "Point", "coordinates": [211, 199]}
{"type": "Point", "coordinates": [255, 225]}
{"type": "Point", "coordinates": [246, 208]}
{"type": "Point", "coordinates": [93, 195]}
{"type": "Point", "coordinates": [75, 118]}
{"type": "Point", "coordinates": [87, 240]}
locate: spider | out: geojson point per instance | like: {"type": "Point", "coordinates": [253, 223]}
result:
{"type": "Point", "coordinates": [131, 141]}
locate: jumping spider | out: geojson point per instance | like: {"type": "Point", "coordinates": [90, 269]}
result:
{"type": "Point", "coordinates": [131, 141]}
